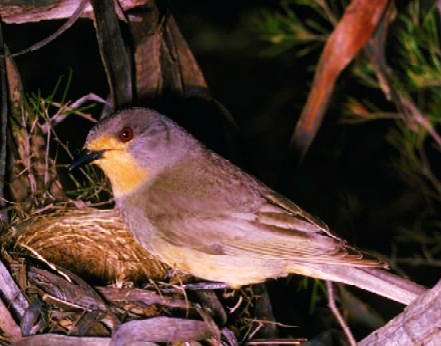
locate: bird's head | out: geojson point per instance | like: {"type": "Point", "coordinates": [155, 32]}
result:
{"type": "Point", "coordinates": [132, 147]}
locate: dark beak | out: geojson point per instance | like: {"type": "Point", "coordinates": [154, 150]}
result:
{"type": "Point", "coordinates": [86, 156]}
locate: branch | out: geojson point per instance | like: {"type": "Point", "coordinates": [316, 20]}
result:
{"type": "Point", "coordinates": [418, 324]}
{"type": "Point", "coordinates": [140, 297]}
{"type": "Point", "coordinates": [57, 33]}
{"type": "Point", "coordinates": [24, 11]}
{"type": "Point", "coordinates": [161, 329]}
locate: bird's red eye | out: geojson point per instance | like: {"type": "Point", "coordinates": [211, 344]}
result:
{"type": "Point", "coordinates": [126, 134]}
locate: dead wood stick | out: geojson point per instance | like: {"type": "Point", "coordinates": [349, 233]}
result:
{"type": "Point", "coordinates": [160, 329]}
{"type": "Point", "coordinates": [57, 33]}
{"type": "Point", "coordinates": [56, 340]}
{"type": "Point", "coordinates": [19, 11]}
{"type": "Point", "coordinates": [77, 294]}
{"type": "Point", "coordinates": [114, 53]}
{"type": "Point", "coordinates": [211, 302]}
{"type": "Point", "coordinates": [418, 324]}
{"type": "Point", "coordinates": [12, 293]}
{"type": "Point", "coordinates": [144, 297]}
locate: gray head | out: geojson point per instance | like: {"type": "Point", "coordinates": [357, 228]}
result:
{"type": "Point", "coordinates": [133, 146]}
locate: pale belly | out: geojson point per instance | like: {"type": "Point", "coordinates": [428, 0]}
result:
{"type": "Point", "coordinates": [233, 270]}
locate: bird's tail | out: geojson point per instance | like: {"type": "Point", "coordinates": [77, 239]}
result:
{"type": "Point", "coordinates": [377, 281]}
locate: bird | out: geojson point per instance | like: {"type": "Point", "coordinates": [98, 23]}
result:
{"type": "Point", "coordinates": [202, 215]}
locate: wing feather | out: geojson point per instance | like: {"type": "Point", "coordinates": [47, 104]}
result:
{"type": "Point", "coordinates": [231, 213]}
{"type": "Point", "coordinates": [275, 231]}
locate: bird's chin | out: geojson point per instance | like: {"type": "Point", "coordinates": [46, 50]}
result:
{"type": "Point", "coordinates": [124, 175]}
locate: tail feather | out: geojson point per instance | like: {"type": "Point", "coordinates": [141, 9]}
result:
{"type": "Point", "coordinates": [373, 280]}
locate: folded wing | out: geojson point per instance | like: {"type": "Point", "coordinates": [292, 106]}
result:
{"type": "Point", "coordinates": [277, 229]}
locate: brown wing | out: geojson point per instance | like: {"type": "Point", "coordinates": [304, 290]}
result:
{"type": "Point", "coordinates": [303, 238]}
{"type": "Point", "coordinates": [278, 229]}
{"type": "Point", "coordinates": [227, 212]}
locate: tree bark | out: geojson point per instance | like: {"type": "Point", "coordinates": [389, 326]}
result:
{"type": "Point", "coordinates": [418, 324]}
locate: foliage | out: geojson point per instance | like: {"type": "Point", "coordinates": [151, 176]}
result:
{"type": "Point", "coordinates": [36, 121]}
{"type": "Point", "coordinates": [285, 30]}
{"type": "Point", "coordinates": [403, 90]}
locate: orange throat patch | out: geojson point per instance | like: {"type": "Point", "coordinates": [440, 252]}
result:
{"type": "Point", "coordinates": [125, 174]}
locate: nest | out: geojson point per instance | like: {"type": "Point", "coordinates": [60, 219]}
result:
{"type": "Point", "coordinates": [92, 243]}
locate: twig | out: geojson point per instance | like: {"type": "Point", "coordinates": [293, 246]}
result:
{"type": "Point", "coordinates": [337, 314]}
{"type": "Point", "coordinates": [27, 154]}
{"type": "Point", "coordinates": [236, 306]}
{"type": "Point", "coordinates": [59, 116]}
{"type": "Point", "coordinates": [421, 120]}
{"type": "Point", "coordinates": [46, 159]}
{"type": "Point", "coordinates": [375, 50]}
{"type": "Point", "coordinates": [63, 303]}
{"type": "Point", "coordinates": [252, 332]}
{"type": "Point", "coordinates": [57, 33]}
{"type": "Point", "coordinates": [270, 322]}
